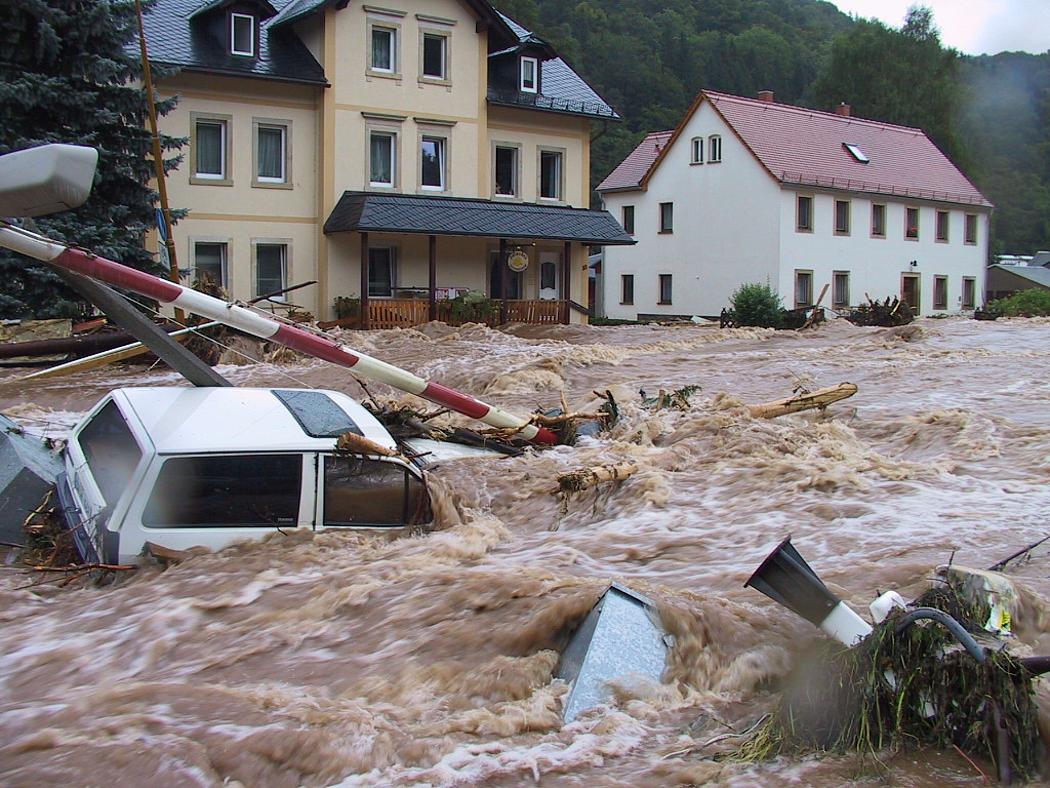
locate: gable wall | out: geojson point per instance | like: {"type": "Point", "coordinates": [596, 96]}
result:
{"type": "Point", "coordinates": [726, 228]}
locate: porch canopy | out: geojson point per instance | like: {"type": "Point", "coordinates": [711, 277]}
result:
{"type": "Point", "coordinates": [370, 212]}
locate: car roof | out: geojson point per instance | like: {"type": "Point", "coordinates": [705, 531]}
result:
{"type": "Point", "coordinates": [232, 419]}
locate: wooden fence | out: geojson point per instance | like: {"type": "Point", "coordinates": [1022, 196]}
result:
{"type": "Point", "coordinates": [409, 312]}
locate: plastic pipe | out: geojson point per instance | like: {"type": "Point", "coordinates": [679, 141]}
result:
{"type": "Point", "coordinates": [958, 631]}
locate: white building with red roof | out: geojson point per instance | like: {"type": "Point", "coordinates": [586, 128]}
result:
{"type": "Point", "coordinates": [751, 190]}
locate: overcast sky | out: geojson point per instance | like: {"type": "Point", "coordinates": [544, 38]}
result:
{"type": "Point", "coordinates": [974, 27]}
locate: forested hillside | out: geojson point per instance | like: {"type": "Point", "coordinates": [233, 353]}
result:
{"type": "Point", "coordinates": [649, 58]}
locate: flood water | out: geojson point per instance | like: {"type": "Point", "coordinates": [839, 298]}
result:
{"type": "Point", "coordinates": [353, 659]}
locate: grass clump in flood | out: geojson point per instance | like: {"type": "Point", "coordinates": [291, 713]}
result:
{"type": "Point", "coordinates": [909, 688]}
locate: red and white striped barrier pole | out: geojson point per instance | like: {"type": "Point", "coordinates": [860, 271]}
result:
{"type": "Point", "coordinates": [40, 248]}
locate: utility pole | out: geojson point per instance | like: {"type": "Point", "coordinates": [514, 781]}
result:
{"type": "Point", "coordinates": [158, 160]}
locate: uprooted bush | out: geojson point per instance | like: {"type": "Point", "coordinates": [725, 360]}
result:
{"type": "Point", "coordinates": [900, 689]}
{"type": "Point", "coordinates": [757, 304]}
{"type": "Point", "coordinates": [1025, 303]}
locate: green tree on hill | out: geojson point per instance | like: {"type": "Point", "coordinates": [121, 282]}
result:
{"type": "Point", "coordinates": [65, 77]}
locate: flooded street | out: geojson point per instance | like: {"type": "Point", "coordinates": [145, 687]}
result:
{"type": "Point", "coordinates": [355, 659]}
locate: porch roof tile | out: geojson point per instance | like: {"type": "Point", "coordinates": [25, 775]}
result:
{"type": "Point", "coordinates": [410, 213]}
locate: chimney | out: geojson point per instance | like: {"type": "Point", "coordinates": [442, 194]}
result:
{"type": "Point", "coordinates": [765, 95]}
{"type": "Point", "coordinates": [842, 109]}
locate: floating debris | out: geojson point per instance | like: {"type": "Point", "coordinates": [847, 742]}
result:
{"type": "Point", "coordinates": [28, 469]}
{"type": "Point", "coordinates": [585, 478]}
{"type": "Point", "coordinates": [886, 314]}
{"type": "Point", "coordinates": [905, 683]}
{"type": "Point", "coordinates": [621, 636]}
{"type": "Point", "coordinates": [674, 400]}
{"type": "Point", "coordinates": [803, 400]}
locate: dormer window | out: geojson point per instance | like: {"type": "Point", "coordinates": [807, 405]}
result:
{"type": "Point", "coordinates": [529, 75]}
{"type": "Point", "coordinates": [242, 35]}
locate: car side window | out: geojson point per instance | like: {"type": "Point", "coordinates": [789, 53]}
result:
{"type": "Point", "coordinates": [362, 492]}
{"type": "Point", "coordinates": [232, 490]}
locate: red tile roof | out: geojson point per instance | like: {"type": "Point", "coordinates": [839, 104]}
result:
{"type": "Point", "coordinates": [807, 147]}
{"type": "Point", "coordinates": [629, 173]}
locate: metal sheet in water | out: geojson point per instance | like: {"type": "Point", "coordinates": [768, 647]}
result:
{"type": "Point", "coordinates": [27, 471]}
{"type": "Point", "coordinates": [620, 637]}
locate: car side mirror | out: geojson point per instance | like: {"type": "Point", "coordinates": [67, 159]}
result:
{"type": "Point", "coordinates": [46, 179]}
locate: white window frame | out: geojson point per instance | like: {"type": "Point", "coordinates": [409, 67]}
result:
{"type": "Point", "coordinates": [394, 31]}
{"type": "Point", "coordinates": [285, 126]}
{"type": "Point", "coordinates": [446, 74]}
{"type": "Point", "coordinates": [224, 263]}
{"type": "Point", "coordinates": [522, 82]}
{"type": "Point", "coordinates": [286, 263]}
{"type": "Point", "coordinates": [517, 148]}
{"type": "Point", "coordinates": [442, 140]}
{"type": "Point", "coordinates": [560, 153]}
{"type": "Point", "coordinates": [696, 150]}
{"type": "Point", "coordinates": [234, 16]}
{"type": "Point", "coordinates": [394, 137]}
{"type": "Point", "coordinates": [714, 149]}
{"type": "Point", "coordinates": [224, 122]}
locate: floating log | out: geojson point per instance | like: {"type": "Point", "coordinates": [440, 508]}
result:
{"type": "Point", "coordinates": [585, 478]}
{"type": "Point", "coordinates": [75, 345]}
{"type": "Point", "coordinates": [111, 356]}
{"type": "Point", "coordinates": [805, 400]}
{"type": "Point", "coordinates": [358, 444]}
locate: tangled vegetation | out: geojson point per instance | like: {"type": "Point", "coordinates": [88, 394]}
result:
{"type": "Point", "coordinates": [900, 689]}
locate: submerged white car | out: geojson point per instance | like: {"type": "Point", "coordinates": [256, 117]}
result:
{"type": "Point", "coordinates": [186, 467]}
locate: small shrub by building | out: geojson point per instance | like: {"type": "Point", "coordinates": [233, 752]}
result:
{"type": "Point", "coordinates": [1026, 303]}
{"type": "Point", "coordinates": [756, 304]}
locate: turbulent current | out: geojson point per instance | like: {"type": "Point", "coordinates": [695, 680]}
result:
{"type": "Point", "coordinates": [352, 659]}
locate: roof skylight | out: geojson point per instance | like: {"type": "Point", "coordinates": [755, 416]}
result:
{"type": "Point", "coordinates": [856, 152]}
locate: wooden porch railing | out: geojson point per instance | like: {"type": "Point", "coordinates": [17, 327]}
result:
{"type": "Point", "coordinates": [409, 312]}
{"type": "Point", "coordinates": [398, 312]}
{"type": "Point", "coordinates": [536, 312]}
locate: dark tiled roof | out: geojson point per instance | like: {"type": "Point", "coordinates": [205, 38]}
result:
{"type": "Point", "coordinates": [211, 5]}
{"type": "Point", "coordinates": [408, 213]}
{"type": "Point", "coordinates": [196, 45]}
{"type": "Point", "coordinates": [563, 89]}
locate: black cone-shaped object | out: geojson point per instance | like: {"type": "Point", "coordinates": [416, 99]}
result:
{"type": "Point", "coordinates": [785, 577]}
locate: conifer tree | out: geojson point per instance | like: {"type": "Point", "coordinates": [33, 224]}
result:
{"type": "Point", "coordinates": [67, 75]}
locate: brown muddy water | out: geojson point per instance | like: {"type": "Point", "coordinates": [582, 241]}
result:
{"type": "Point", "coordinates": [350, 659]}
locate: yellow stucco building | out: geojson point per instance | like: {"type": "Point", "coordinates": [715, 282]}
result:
{"type": "Point", "coordinates": [435, 139]}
